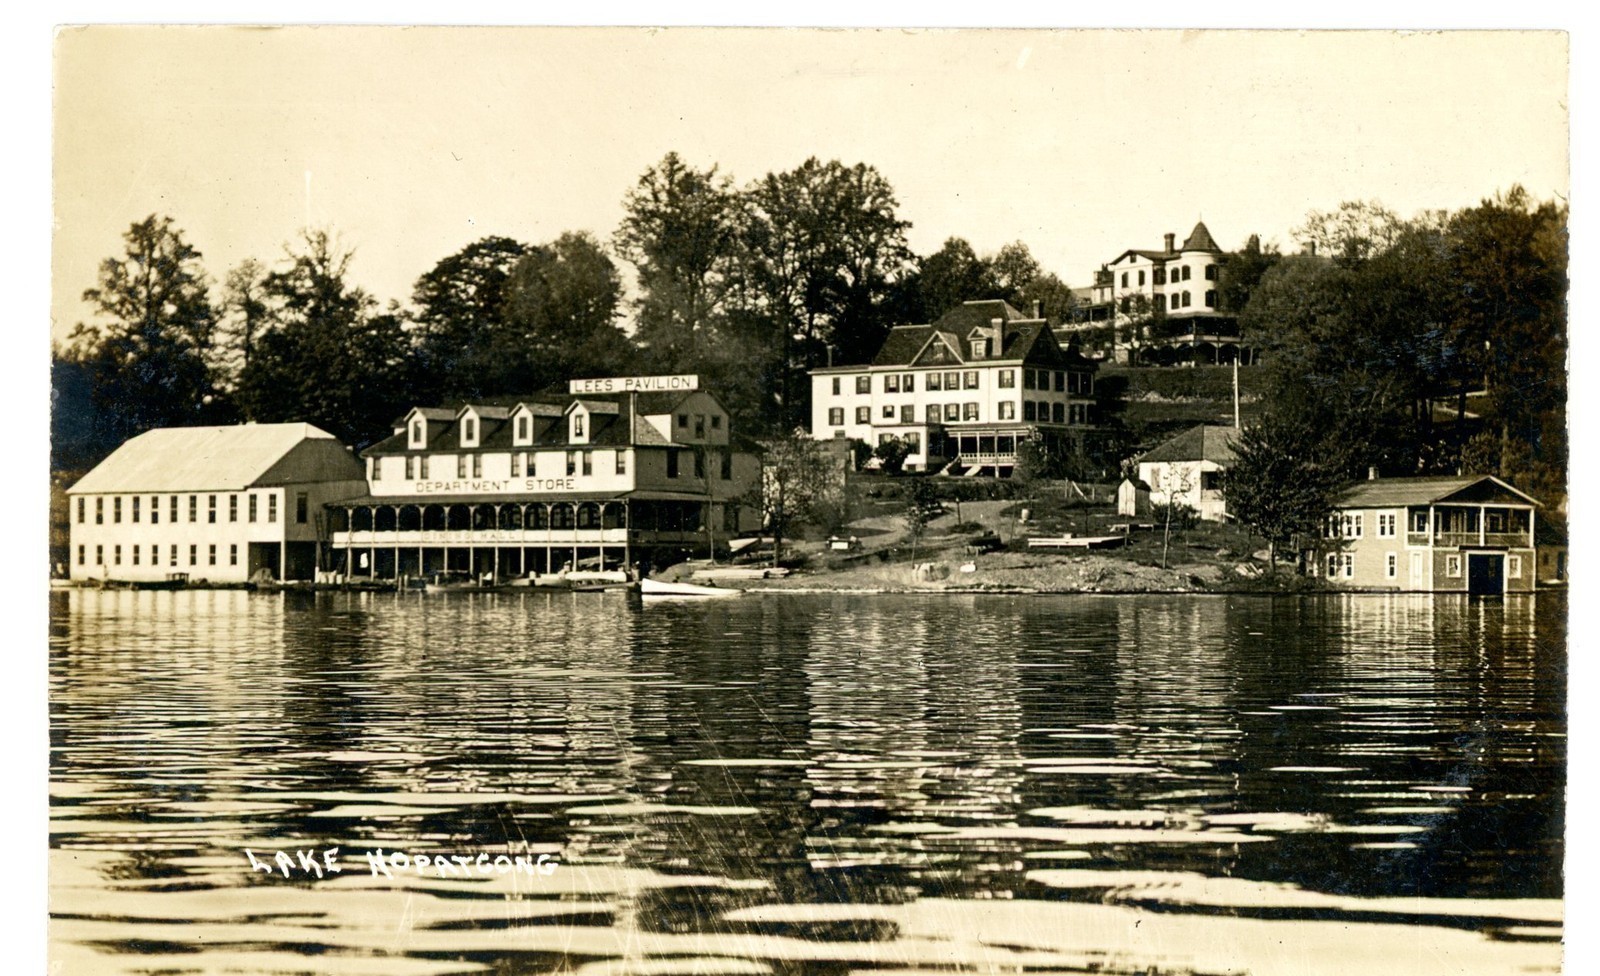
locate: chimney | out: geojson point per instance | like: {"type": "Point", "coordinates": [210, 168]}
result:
{"type": "Point", "coordinates": [1372, 473]}
{"type": "Point", "coordinates": [1311, 248]}
{"type": "Point", "coordinates": [1038, 309]}
{"type": "Point", "coordinates": [1170, 238]}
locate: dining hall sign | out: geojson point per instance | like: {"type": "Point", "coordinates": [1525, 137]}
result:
{"type": "Point", "coordinates": [636, 384]}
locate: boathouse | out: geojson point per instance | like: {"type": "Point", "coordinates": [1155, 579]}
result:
{"type": "Point", "coordinates": [613, 473]}
{"type": "Point", "coordinates": [219, 504]}
{"type": "Point", "coordinates": [1465, 534]}
{"type": "Point", "coordinates": [1188, 469]}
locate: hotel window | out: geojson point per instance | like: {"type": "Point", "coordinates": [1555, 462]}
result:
{"type": "Point", "coordinates": [116, 555]}
{"type": "Point", "coordinates": [211, 555]}
{"type": "Point", "coordinates": [272, 508]}
{"type": "Point", "coordinates": [136, 508]}
{"type": "Point", "coordinates": [1027, 379]}
{"type": "Point", "coordinates": [699, 425]}
{"type": "Point", "coordinates": [1186, 301]}
{"type": "Point", "coordinates": [683, 421]}
{"type": "Point", "coordinates": [622, 462]}
{"type": "Point", "coordinates": [194, 555]}
{"type": "Point", "coordinates": [863, 384]}
{"type": "Point", "coordinates": [477, 465]}
{"type": "Point", "coordinates": [1419, 521]}
{"type": "Point", "coordinates": [1008, 410]}
{"type": "Point", "coordinates": [699, 464]}
{"type": "Point", "coordinates": [1061, 382]}
{"type": "Point", "coordinates": [173, 510]}
{"type": "Point", "coordinates": [1386, 524]}
{"type": "Point", "coordinates": [1211, 298]}
{"type": "Point", "coordinates": [969, 379]}
{"type": "Point", "coordinates": [588, 463]}
{"type": "Point", "coordinates": [1391, 564]}
{"type": "Point", "coordinates": [969, 411]}
{"type": "Point", "coordinates": [155, 509]}
{"type": "Point", "coordinates": [835, 416]}
{"type": "Point", "coordinates": [1492, 521]}
{"type": "Point", "coordinates": [836, 385]}
{"type": "Point", "coordinates": [1349, 560]}
{"type": "Point", "coordinates": [173, 559]}
{"type": "Point", "coordinates": [1514, 567]}
{"type": "Point", "coordinates": [1057, 413]}
{"type": "Point", "coordinates": [100, 555]}
{"type": "Point", "coordinates": [952, 412]}
{"type": "Point", "coordinates": [716, 419]}
{"type": "Point", "coordinates": [891, 383]}
{"type": "Point", "coordinates": [980, 348]}
{"type": "Point", "coordinates": [80, 554]}
{"type": "Point", "coordinates": [914, 443]}
{"type": "Point", "coordinates": [233, 508]}
{"type": "Point", "coordinates": [522, 428]}
{"type": "Point", "coordinates": [155, 555]}
{"type": "Point", "coordinates": [908, 383]}
{"type": "Point", "coordinates": [135, 550]}
{"type": "Point", "coordinates": [1141, 278]}
{"type": "Point", "coordinates": [250, 507]}
{"type": "Point", "coordinates": [1027, 410]}
{"type": "Point", "coordinates": [1186, 270]}
{"type": "Point", "coordinates": [469, 429]}
{"type": "Point", "coordinates": [1124, 279]}
{"type": "Point", "coordinates": [1333, 565]}
{"type": "Point", "coordinates": [300, 507]}
{"type": "Point", "coordinates": [516, 464]}
{"type": "Point", "coordinates": [211, 509]}
{"type": "Point", "coordinates": [1158, 277]}
{"type": "Point", "coordinates": [933, 382]}
{"type": "Point", "coordinates": [672, 464]}
{"type": "Point", "coordinates": [863, 415]}
{"type": "Point", "coordinates": [233, 555]}
{"type": "Point", "coordinates": [888, 411]}
{"type": "Point", "coordinates": [572, 463]}
{"type": "Point", "coordinates": [422, 466]}
{"type": "Point", "coordinates": [80, 511]}
{"type": "Point", "coordinates": [376, 464]}
{"type": "Point", "coordinates": [933, 413]}
{"type": "Point", "coordinates": [116, 509]}
{"type": "Point", "coordinates": [1452, 565]}
{"type": "Point", "coordinates": [1079, 414]}
{"type": "Point", "coordinates": [194, 508]}
{"type": "Point", "coordinates": [1211, 272]}
{"type": "Point", "coordinates": [411, 467]}
{"type": "Point", "coordinates": [461, 465]}
{"type": "Point", "coordinates": [532, 464]}
{"type": "Point", "coordinates": [416, 433]}
{"type": "Point", "coordinates": [952, 381]}
{"type": "Point", "coordinates": [727, 466]}
{"type": "Point", "coordinates": [908, 414]}
{"type": "Point", "coordinates": [1008, 379]}
{"type": "Point", "coordinates": [577, 425]}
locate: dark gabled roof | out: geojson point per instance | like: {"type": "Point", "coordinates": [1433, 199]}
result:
{"type": "Point", "coordinates": [1399, 492]}
{"type": "Point", "coordinates": [487, 411]}
{"type": "Point", "coordinates": [1022, 338]}
{"type": "Point", "coordinates": [1200, 240]}
{"type": "Point", "coordinates": [968, 315]}
{"type": "Point", "coordinates": [1203, 442]}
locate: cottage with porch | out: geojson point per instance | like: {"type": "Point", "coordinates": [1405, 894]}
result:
{"type": "Point", "coordinates": [1464, 534]}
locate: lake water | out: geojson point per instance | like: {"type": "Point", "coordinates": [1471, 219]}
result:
{"type": "Point", "coordinates": [801, 784]}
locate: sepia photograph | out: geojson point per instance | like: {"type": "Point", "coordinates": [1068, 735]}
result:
{"type": "Point", "coordinates": [714, 501]}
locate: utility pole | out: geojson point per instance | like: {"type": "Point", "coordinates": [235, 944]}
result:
{"type": "Point", "coordinates": [1236, 389]}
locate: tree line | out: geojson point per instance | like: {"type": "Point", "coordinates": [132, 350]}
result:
{"type": "Point", "coordinates": [748, 286]}
{"type": "Point", "coordinates": [1434, 345]}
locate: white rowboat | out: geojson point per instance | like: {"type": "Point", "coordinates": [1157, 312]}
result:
{"type": "Point", "coordinates": [650, 587]}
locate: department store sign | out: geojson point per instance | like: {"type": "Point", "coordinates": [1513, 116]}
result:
{"type": "Point", "coordinates": [636, 384]}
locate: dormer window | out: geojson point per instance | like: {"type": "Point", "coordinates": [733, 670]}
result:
{"type": "Point", "coordinates": [523, 424]}
{"type": "Point", "coordinates": [417, 428]}
{"type": "Point", "coordinates": [980, 349]}
{"type": "Point", "coordinates": [469, 431]}
{"type": "Point", "coordinates": [577, 426]}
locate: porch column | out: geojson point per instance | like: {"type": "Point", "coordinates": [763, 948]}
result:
{"type": "Point", "coordinates": [349, 530]}
{"type": "Point", "coordinates": [1483, 522]}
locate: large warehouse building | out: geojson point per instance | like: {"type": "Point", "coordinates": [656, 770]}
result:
{"type": "Point", "coordinates": [216, 504]}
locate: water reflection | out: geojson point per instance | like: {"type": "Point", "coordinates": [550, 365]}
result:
{"type": "Point", "coordinates": [803, 782]}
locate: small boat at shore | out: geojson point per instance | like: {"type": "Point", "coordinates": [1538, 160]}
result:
{"type": "Point", "coordinates": [650, 587]}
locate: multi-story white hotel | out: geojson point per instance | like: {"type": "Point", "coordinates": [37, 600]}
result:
{"type": "Point", "coordinates": [209, 503]}
{"type": "Point", "coordinates": [1178, 287]}
{"type": "Point", "coordinates": [963, 392]}
{"type": "Point", "coordinates": [638, 469]}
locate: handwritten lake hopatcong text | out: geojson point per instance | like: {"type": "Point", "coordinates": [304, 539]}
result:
{"type": "Point", "coordinates": [312, 863]}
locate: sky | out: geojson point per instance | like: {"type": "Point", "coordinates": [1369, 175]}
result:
{"type": "Point", "coordinates": [410, 143]}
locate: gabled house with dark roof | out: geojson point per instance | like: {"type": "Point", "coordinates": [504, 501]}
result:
{"type": "Point", "coordinates": [1177, 290]}
{"type": "Point", "coordinates": [1463, 534]}
{"type": "Point", "coordinates": [1189, 469]}
{"type": "Point", "coordinates": [513, 486]}
{"type": "Point", "coordinates": [962, 392]}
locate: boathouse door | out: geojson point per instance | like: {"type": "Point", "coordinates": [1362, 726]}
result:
{"type": "Point", "coordinates": [1486, 574]}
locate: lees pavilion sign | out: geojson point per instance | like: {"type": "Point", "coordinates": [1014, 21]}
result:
{"type": "Point", "coordinates": [636, 384]}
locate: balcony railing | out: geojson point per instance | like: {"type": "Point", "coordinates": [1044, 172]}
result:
{"type": "Point", "coordinates": [1506, 539]}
